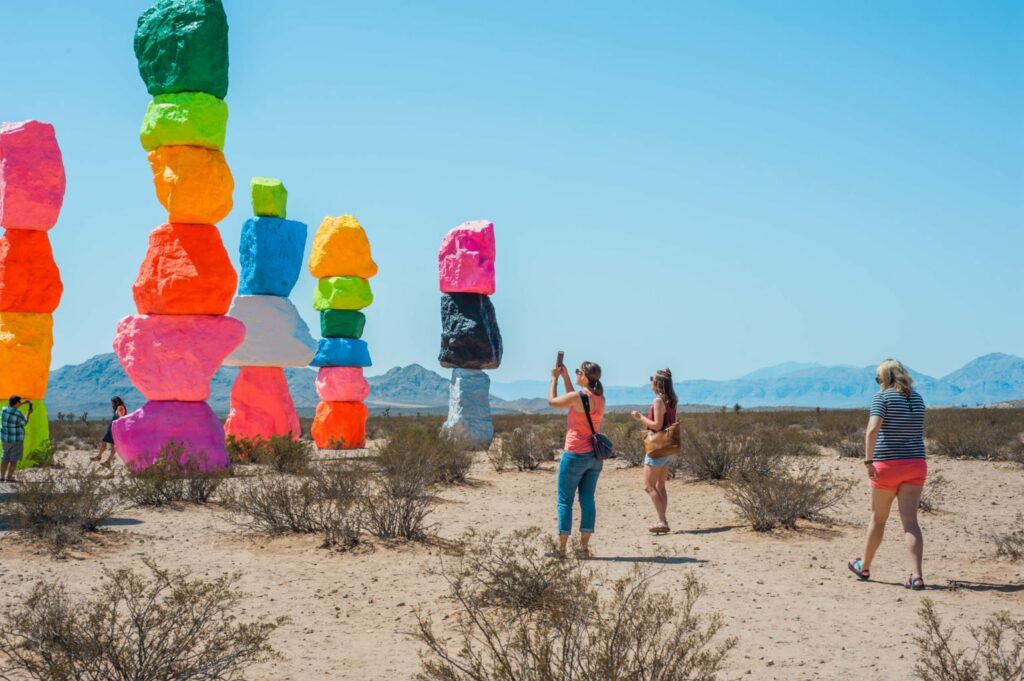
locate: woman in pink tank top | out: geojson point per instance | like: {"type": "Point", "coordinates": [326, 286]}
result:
{"type": "Point", "coordinates": [578, 469]}
{"type": "Point", "coordinates": [660, 416]}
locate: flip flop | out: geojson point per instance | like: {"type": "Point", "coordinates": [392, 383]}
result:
{"type": "Point", "coordinates": [914, 583]}
{"type": "Point", "coordinates": [660, 528]}
{"type": "Point", "coordinates": [856, 567]}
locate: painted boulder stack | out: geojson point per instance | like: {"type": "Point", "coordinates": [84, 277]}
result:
{"type": "Point", "coordinates": [172, 347]}
{"type": "Point", "coordinates": [32, 185]}
{"type": "Point", "coordinates": [342, 263]}
{"type": "Point", "coordinates": [270, 255]}
{"type": "Point", "coordinates": [470, 338]}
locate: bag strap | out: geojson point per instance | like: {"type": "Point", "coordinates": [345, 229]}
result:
{"type": "Point", "coordinates": [586, 410]}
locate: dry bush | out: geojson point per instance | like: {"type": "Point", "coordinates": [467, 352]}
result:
{"type": "Point", "coordinates": [996, 655]}
{"type": "Point", "coordinates": [833, 426]}
{"type": "Point", "coordinates": [628, 439]}
{"type": "Point", "coordinates": [573, 632]}
{"type": "Point", "coordinates": [934, 495]}
{"type": "Point", "coordinates": [710, 452]}
{"type": "Point", "coordinates": [174, 476]}
{"type": "Point", "coordinates": [67, 434]}
{"type": "Point", "coordinates": [521, 448]}
{"type": "Point", "coordinates": [134, 627]}
{"type": "Point", "coordinates": [784, 495]}
{"type": "Point", "coordinates": [399, 502]}
{"type": "Point", "coordinates": [988, 434]}
{"type": "Point", "coordinates": [851, 446]}
{"type": "Point", "coordinates": [60, 506]}
{"type": "Point", "coordinates": [1011, 542]}
{"type": "Point", "coordinates": [429, 452]}
{"type": "Point", "coordinates": [243, 450]}
{"type": "Point", "coordinates": [326, 501]}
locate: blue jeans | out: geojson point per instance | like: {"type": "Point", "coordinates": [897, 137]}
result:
{"type": "Point", "coordinates": [577, 472]}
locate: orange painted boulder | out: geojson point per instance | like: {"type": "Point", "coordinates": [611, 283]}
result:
{"type": "Point", "coordinates": [29, 278]}
{"type": "Point", "coordinates": [194, 184]}
{"type": "Point", "coordinates": [340, 248]}
{"type": "Point", "coordinates": [340, 425]}
{"type": "Point", "coordinates": [261, 405]}
{"type": "Point", "coordinates": [25, 342]}
{"type": "Point", "coordinates": [186, 271]}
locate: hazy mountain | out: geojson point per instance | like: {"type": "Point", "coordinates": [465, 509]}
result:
{"type": "Point", "coordinates": [986, 380]}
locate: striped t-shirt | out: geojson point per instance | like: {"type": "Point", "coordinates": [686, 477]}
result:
{"type": "Point", "coordinates": [902, 433]}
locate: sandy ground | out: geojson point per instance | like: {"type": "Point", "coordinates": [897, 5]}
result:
{"type": "Point", "coordinates": [797, 612]}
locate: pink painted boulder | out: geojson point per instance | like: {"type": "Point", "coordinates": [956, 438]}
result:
{"type": "Point", "coordinates": [341, 384]}
{"type": "Point", "coordinates": [173, 357]}
{"type": "Point", "coordinates": [31, 176]}
{"type": "Point", "coordinates": [261, 405]}
{"type": "Point", "coordinates": [466, 259]}
{"type": "Point", "coordinates": [141, 435]}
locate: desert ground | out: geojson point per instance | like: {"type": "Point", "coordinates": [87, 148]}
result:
{"type": "Point", "coordinates": [786, 595]}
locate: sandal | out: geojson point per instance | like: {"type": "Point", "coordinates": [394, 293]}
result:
{"type": "Point", "coordinates": [660, 528]}
{"type": "Point", "coordinates": [914, 583]}
{"type": "Point", "coordinates": [857, 568]}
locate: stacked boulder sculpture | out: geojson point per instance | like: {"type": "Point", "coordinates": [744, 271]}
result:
{"type": "Point", "coordinates": [270, 255]}
{"type": "Point", "coordinates": [470, 338]}
{"type": "Point", "coordinates": [32, 185]}
{"type": "Point", "coordinates": [172, 347]}
{"type": "Point", "coordinates": [341, 261]}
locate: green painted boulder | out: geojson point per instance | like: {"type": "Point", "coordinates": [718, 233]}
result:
{"type": "Point", "coordinates": [182, 46]}
{"type": "Point", "coordinates": [269, 197]}
{"type": "Point", "coordinates": [342, 293]}
{"type": "Point", "coordinates": [38, 451]}
{"type": "Point", "coordinates": [342, 324]}
{"type": "Point", "coordinates": [194, 119]}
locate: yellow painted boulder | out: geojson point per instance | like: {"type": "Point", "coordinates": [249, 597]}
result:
{"type": "Point", "coordinates": [25, 342]}
{"type": "Point", "coordinates": [194, 184]}
{"type": "Point", "coordinates": [341, 249]}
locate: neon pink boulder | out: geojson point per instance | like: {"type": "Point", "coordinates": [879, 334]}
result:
{"type": "Point", "coordinates": [341, 384]}
{"type": "Point", "coordinates": [31, 176]}
{"type": "Point", "coordinates": [261, 405]}
{"type": "Point", "coordinates": [173, 357]}
{"type": "Point", "coordinates": [142, 434]}
{"type": "Point", "coordinates": [466, 259]}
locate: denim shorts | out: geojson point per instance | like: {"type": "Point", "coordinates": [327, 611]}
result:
{"type": "Point", "coordinates": [13, 451]}
{"type": "Point", "coordinates": [659, 463]}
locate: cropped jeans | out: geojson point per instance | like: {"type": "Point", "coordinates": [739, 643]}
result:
{"type": "Point", "coordinates": [577, 472]}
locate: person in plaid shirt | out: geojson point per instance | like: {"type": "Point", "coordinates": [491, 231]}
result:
{"type": "Point", "coordinates": [12, 433]}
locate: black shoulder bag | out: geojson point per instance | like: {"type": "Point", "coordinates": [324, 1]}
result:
{"type": "Point", "coordinates": [603, 448]}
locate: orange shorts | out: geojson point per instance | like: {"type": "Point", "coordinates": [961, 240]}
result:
{"type": "Point", "coordinates": [892, 474]}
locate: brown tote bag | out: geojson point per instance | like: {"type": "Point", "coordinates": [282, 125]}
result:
{"type": "Point", "coordinates": [664, 442]}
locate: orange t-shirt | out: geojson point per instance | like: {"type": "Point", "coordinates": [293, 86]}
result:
{"type": "Point", "coordinates": [578, 438]}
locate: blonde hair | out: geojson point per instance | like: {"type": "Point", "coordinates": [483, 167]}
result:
{"type": "Point", "coordinates": [892, 374]}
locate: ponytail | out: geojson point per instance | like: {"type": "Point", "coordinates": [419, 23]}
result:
{"type": "Point", "coordinates": [593, 373]}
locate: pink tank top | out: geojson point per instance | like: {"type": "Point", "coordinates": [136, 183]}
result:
{"type": "Point", "coordinates": [670, 417]}
{"type": "Point", "coordinates": [578, 438]}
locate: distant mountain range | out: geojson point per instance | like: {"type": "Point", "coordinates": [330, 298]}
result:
{"type": "Point", "coordinates": [989, 379]}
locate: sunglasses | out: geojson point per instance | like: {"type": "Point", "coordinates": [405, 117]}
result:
{"type": "Point", "coordinates": [579, 372]}
{"type": "Point", "coordinates": [878, 380]}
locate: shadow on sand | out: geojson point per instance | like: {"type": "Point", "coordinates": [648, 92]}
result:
{"type": "Point", "coordinates": [654, 560]}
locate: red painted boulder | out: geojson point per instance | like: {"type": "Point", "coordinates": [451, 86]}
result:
{"type": "Point", "coordinates": [186, 271]}
{"type": "Point", "coordinates": [191, 426]}
{"type": "Point", "coordinates": [31, 176]}
{"type": "Point", "coordinates": [341, 384]}
{"type": "Point", "coordinates": [173, 357]}
{"type": "Point", "coordinates": [340, 425]}
{"type": "Point", "coordinates": [29, 278]}
{"type": "Point", "coordinates": [261, 405]}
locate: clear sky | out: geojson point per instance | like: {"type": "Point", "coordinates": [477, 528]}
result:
{"type": "Point", "coordinates": [714, 186]}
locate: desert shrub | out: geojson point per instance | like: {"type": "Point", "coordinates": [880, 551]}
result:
{"type": "Point", "coordinates": [783, 440]}
{"type": "Point", "coordinates": [134, 626]}
{"type": "Point", "coordinates": [783, 495]}
{"type": "Point", "coordinates": [996, 655]}
{"type": "Point", "coordinates": [243, 450]}
{"type": "Point", "coordinates": [851, 446]}
{"type": "Point", "coordinates": [497, 456]}
{"type": "Point", "coordinates": [934, 495]}
{"type": "Point", "coordinates": [710, 452]}
{"type": "Point", "coordinates": [286, 455]}
{"type": "Point", "coordinates": [41, 456]}
{"type": "Point", "coordinates": [1011, 542]}
{"type": "Point", "coordinates": [521, 448]}
{"type": "Point", "coordinates": [68, 433]}
{"type": "Point", "coordinates": [398, 503]}
{"type": "Point", "coordinates": [832, 427]}
{"type": "Point", "coordinates": [974, 433]}
{"type": "Point", "coordinates": [59, 507]}
{"type": "Point", "coordinates": [174, 476]}
{"type": "Point", "coordinates": [426, 452]}
{"type": "Point", "coordinates": [575, 633]}
{"type": "Point", "coordinates": [326, 501]}
{"type": "Point", "coordinates": [628, 440]}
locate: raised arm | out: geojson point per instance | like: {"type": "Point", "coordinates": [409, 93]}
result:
{"type": "Point", "coordinates": [570, 398]}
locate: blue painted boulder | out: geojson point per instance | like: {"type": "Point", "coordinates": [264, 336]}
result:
{"type": "Point", "coordinates": [270, 254]}
{"type": "Point", "coordinates": [341, 352]}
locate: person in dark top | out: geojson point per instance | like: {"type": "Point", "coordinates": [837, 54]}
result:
{"type": "Point", "coordinates": [894, 458]}
{"type": "Point", "coordinates": [117, 405]}
{"type": "Point", "coordinates": [660, 415]}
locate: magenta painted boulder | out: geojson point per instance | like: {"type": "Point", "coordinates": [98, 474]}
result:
{"type": "Point", "coordinates": [341, 384]}
{"type": "Point", "coordinates": [466, 259]}
{"type": "Point", "coordinates": [31, 176]}
{"type": "Point", "coordinates": [173, 357]}
{"type": "Point", "coordinates": [261, 405]}
{"type": "Point", "coordinates": [191, 426]}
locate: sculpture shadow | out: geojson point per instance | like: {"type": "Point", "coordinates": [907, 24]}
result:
{"type": "Point", "coordinates": [958, 585]}
{"type": "Point", "coordinates": [709, 530]}
{"type": "Point", "coordinates": [120, 522]}
{"type": "Point", "coordinates": [653, 560]}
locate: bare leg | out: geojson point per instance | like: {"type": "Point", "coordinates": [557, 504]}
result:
{"type": "Point", "coordinates": [110, 459]}
{"type": "Point", "coordinates": [881, 503]}
{"type": "Point", "coordinates": [584, 541]}
{"type": "Point", "coordinates": [654, 485]}
{"type": "Point", "coordinates": [99, 457]}
{"type": "Point", "coordinates": [909, 498]}
{"type": "Point", "coordinates": [563, 539]}
{"type": "Point", "coordinates": [5, 467]}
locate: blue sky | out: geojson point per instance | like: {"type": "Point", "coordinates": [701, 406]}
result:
{"type": "Point", "coordinates": [713, 186]}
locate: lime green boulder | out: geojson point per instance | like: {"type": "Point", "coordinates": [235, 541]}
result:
{"type": "Point", "coordinates": [182, 46]}
{"type": "Point", "coordinates": [195, 119]}
{"type": "Point", "coordinates": [269, 197]}
{"type": "Point", "coordinates": [342, 293]}
{"type": "Point", "coordinates": [38, 451]}
{"type": "Point", "coordinates": [342, 324]}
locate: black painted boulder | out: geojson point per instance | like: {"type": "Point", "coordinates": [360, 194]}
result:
{"type": "Point", "coordinates": [182, 46]}
{"type": "Point", "coordinates": [470, 338]}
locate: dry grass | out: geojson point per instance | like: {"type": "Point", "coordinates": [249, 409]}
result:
{"type": "Point", "coordinates": [997, 653]}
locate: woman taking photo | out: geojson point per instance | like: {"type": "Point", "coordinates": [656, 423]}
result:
{"type": "Point", "coordinates": [579, 468]}
{"type": "Point", "coordinates": [660, 416]}
{"type": "Point", "coordinates": [894, 459]}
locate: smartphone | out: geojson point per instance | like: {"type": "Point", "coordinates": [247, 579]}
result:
{"type": "Point", "coordinates": [561, 358]}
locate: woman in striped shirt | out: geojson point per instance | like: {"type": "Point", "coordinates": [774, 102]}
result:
{"type": "Point", "coordinates": [896, 467]}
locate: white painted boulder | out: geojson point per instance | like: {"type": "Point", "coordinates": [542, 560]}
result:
{"type": "Point", "coordinates": [275, 334]}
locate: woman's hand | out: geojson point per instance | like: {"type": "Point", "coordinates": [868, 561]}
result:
{"type": "Point", "coordinates": [872, 473]}
{"type": "Point", "coordinates": [556, 372]}
{"type": "Point", "coordinates": [635, 415]}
